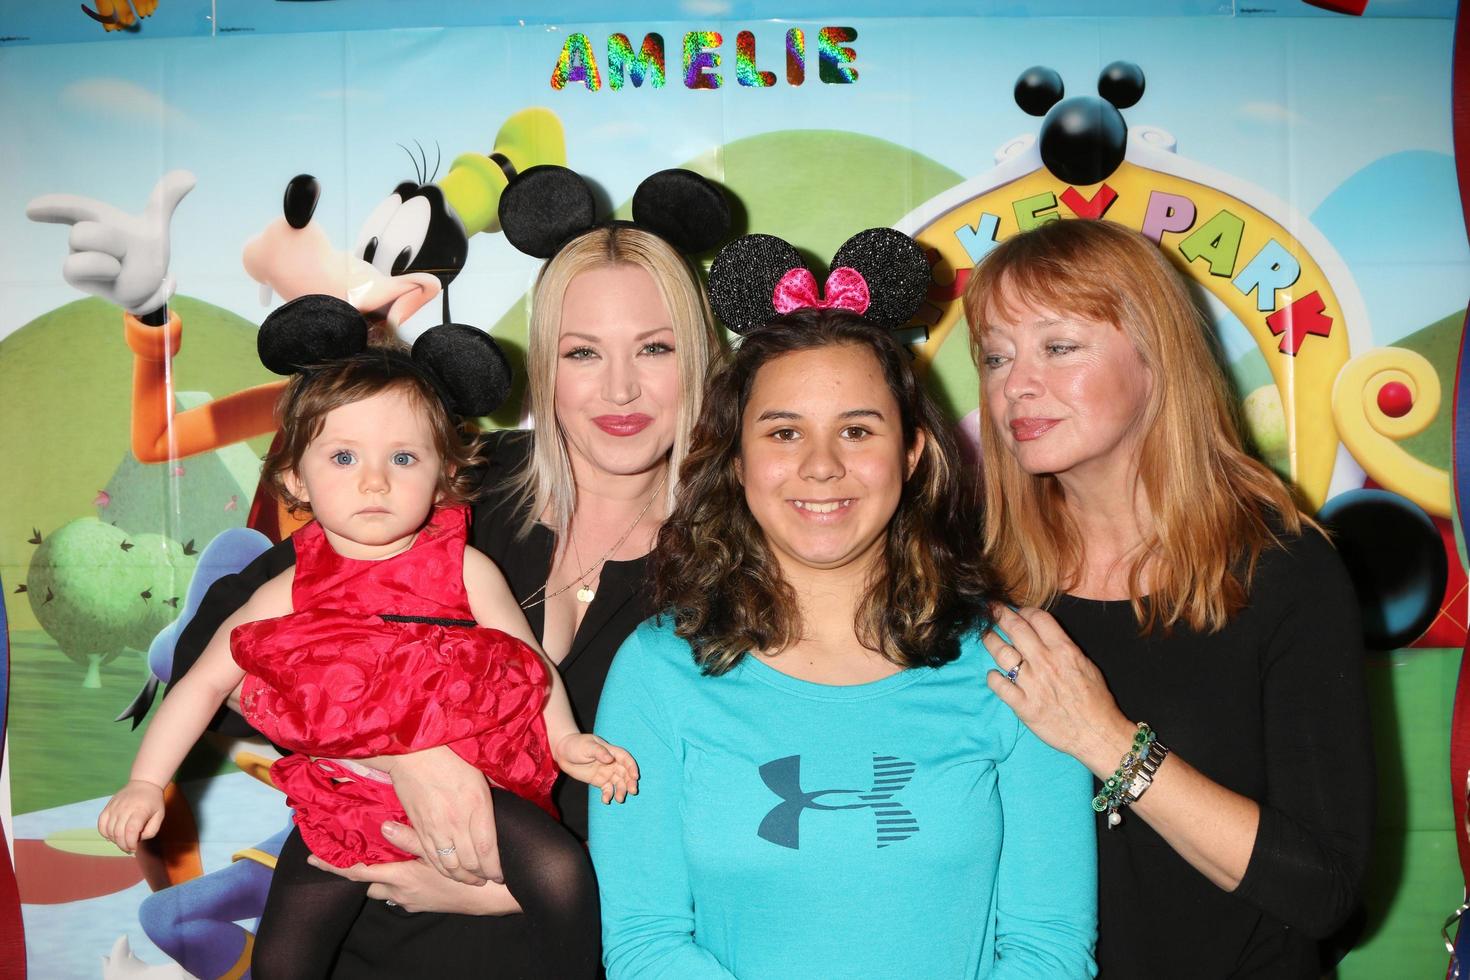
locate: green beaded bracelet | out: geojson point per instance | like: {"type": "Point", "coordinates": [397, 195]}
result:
{"type": "Point", "coordinates": [1115, 787]}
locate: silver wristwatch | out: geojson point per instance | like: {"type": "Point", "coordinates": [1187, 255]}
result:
{"type": "Point", "coordinates": [1143, 778]}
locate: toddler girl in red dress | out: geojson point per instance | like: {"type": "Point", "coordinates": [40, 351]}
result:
{"type": "Point", "coordinates": [377, 643]}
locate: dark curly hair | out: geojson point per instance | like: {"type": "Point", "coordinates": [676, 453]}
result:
{"type": "Point", "coordinates": [302, 411]}
{"type": "Point", "coordinates": [715, 575]}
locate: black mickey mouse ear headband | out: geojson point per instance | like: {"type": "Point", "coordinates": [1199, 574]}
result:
{"type": "Point", "coordinates": [544, 207]}
{"type": "Point", "coordinates": [880, 274]}
{"type": "Point", "coordinates": [464, 365]}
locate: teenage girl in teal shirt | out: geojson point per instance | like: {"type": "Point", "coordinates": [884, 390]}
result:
{"type": "Point", "coordinates": [828, 787]}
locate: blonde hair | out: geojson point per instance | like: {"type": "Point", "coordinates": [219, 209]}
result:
{"type": "Point", "coordinates": [545, 487]}
{"type": "Point", "coordinates": [1214, 509]}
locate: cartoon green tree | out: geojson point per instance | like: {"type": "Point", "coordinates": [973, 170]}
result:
{"type": "Point", "coordinates": [165, 568]}
{"type": "Point", "coordinates": [98, 591]}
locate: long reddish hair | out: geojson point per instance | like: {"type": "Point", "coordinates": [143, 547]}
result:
{"type": "Point", "coordinates": [1214, 508]}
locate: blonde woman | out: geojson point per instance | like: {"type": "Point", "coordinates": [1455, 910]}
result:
{"type": "Point", "coordinates": [620, 337]}
{"type": "Point", "coordinates": [1188, 604]}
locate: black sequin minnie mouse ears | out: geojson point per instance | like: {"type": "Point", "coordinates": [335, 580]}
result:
{"type": "Point", "coordinates": [463, 364]}
{"type": "Point", "coordinates": [545, 207]}
{"type": "Point", "coordinates": [880, 273]}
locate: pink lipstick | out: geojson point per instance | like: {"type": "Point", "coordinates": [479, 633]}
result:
{"type": "Point", "coordinates": [623, 425]}
{"type": "Point", "coordinates": [1027, 429]}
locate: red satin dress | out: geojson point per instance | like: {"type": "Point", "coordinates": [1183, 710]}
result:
{"type": "Point", "coordinates": [345, 677]}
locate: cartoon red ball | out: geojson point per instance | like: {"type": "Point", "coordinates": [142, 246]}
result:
{"type": "Point", "coordinates": [1395, 399]}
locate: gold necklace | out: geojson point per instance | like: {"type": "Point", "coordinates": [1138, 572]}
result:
{"type": "Point", "coordinates": [586, 593]}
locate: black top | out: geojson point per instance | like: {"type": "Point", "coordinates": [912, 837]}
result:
{"type": "Point", "coordinates": [621, 602]}
{"type": "Point", "coordinates": [620, 605]}
{"type": "Point", "coordinates": [1272, 707]}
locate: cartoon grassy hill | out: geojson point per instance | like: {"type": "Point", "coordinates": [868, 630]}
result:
{"type": "Point", "coordinates": [65, 407]}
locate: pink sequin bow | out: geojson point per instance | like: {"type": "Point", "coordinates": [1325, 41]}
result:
{"type": "Point", "coordinates": [845, 288]}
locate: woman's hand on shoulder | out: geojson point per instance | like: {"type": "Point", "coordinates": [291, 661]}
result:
{"type": "Point", "coordinates": [1055, 689]}
{"type": "Point", "coordinates": [414, 886]}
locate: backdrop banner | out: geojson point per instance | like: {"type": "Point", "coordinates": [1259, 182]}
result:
{"type": "Point", "coordinates": [1296, 164]}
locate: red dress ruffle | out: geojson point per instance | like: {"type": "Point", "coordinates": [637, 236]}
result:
{"type": "Point", "coordinates": [336, 679]}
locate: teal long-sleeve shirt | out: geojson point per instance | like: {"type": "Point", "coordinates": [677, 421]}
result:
{"type": "Point", "coordinates": [908, 827]}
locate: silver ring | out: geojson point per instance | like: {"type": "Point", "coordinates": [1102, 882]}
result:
{"type": "Point", "coordinates": [390, 903]}
{"type": "Point", "coordinates": [444, 851]}
{"type": "Point", "coordinates": [1015, 670]}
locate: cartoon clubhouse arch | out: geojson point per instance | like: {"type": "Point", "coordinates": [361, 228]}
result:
{"type": "Point", "coordinates": [1346, 404]}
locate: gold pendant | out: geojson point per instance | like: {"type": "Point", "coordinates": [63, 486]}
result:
{"type": "Point", "coordinates": [585, 594]}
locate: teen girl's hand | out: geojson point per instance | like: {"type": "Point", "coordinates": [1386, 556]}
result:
{"type": "Point", "coordinates": [448, 803]}
{"type": "Point", "coordinates": [134, 813]}
{"type": "Point", "coordinates": [416, 887]}
{"type": "Point", "coordinates": [1057, 692]}
{"type": "Point", "coordinates": [587, 758]}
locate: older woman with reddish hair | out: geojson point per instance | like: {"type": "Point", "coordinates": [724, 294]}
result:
{"type": "Point", "coordinates": [1187, 602]}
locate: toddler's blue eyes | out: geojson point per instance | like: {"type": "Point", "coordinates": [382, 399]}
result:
{"type": "Point", "coordinates": [347, 458]}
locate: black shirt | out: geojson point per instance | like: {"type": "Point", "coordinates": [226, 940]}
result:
{"type": "Point", "coordinates": [1272, 707]}
{"type": "Point", "coordinates": [621, 602]}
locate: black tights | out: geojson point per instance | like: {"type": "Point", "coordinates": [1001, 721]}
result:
{"type": "Point", "coordinates": [309, 912]}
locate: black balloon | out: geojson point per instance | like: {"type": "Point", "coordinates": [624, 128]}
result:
{"type": "Point", "coordinates": [1038, 89]}
{"type": "Point", "coordinates": [1083, 140]}
{"type": "Point", "coordinates": [1397, 561]}
{"type": "Point", "coordinates": [1121, 83]}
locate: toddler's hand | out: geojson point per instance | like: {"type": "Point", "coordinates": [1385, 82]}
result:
{"type": "Point", "coordinates": [134, 813]}
{"type": "Point", "coordinates": [590, 759]}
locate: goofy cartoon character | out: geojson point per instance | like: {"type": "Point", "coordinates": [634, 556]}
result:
{"type": "Point", "coordinates": [410, 248]}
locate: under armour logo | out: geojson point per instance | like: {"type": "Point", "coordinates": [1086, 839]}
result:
{"type": "Point", "coordinates": [782, 825]}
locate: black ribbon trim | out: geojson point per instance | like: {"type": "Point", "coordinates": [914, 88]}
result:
{"type": "Point", "coordinates": [431, 620]}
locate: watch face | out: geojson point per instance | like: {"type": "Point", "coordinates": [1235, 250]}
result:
{"type": "Point", "coordinates": [1144, 778]}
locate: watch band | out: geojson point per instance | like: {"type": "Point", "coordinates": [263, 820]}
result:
{"type": "Point", "coordinates": [1148, 766]}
